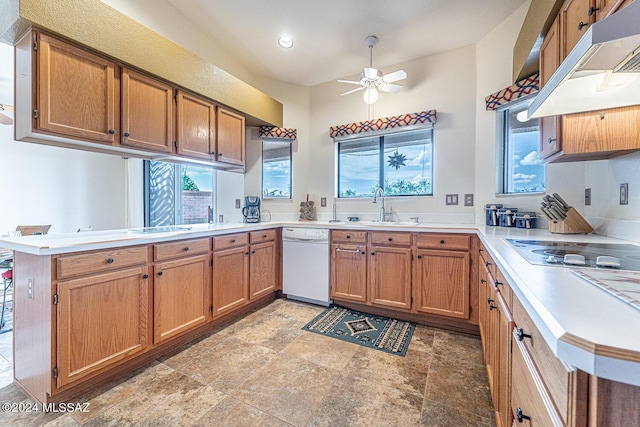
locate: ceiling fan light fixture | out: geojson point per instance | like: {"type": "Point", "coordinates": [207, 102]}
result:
{"type": "Point", "coordinates": [371, 95]}
{"type": "Point", "coordinates": [285, 42]}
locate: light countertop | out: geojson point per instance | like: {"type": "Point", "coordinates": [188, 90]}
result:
{"type": "Point", "coordinates": [582, 324]}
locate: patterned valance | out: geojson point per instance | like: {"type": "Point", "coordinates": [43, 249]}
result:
{"type": "Point", "coordinates": [280, 133]}
{"type": "Point", "coordinates": [384, 123]}
{"type": "Point", "coordinates": [520, 89]}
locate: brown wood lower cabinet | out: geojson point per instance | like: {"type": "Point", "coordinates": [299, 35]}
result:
{"type": "Point", "coordinates": [262, 269]}
{"type": "Point", "coordinates": [102, 320]}
{"type": "Point", "coordinates": [390, 270]}
{"type": "Point", "coordinates": [230, 279]}
{"type": "Point", "coordinates": [182, 295]}
{"type": "Point", "coordinates": [349, 271]}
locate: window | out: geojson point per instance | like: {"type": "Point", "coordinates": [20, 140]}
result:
{"type": "Point", "coordinates": [177, 194]}
{"type": "Point", "coordinates": [401, 161]}
{"type": "Point", "coordinates": [276, 169]}
{"type": "Point", "coordinates": [522, 171]}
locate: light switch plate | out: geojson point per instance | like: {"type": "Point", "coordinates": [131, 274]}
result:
{"type": "Point", "coordinates": [237, 203]}
{"type": "Point", "coordinates": [624, 193]}
{"type": "Point", "coordinates": [323, 202]}
{"type": "Point", "coordinates": [468, 199]}
{"type": "Point", "coordinates": [451, 199]}
{"type": "Point", "coordinates": [587, 197]}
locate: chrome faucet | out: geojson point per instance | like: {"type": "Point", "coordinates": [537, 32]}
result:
{"type": "Point", "coordinates": [375, 200]}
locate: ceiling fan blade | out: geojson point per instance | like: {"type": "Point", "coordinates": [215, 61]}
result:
{"type": "Point", "coordinates": [395, 76]}
{"type": "Point", "coordinates": [349, 81]}
{"type": "Point", "coordinates": [390, 87]}
{"type": "Point", "coordinates": [5, 120]}
{"type": "Point", "coordinates": [351, 91]}
{"type": "Point", "coordinates": [6, 107]}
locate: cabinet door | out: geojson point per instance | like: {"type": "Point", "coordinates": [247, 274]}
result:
{"type": "Point", "coordinates": [262, 269]}
{"type": "Point", "coordinates": [441, 283]}
{"type": "Point", "coordinates": [230, 137]}
{"type": "Point", "coordinates": [607, 7]}
{"type": "Point", "coordinates": [349, 272]}
{"type": "Point", "coordinates": [230, 279]}
{"type": "Point", "coordinates": [504, 327]}
{"type": "Point", "coordinates": [102, 320]}
{"type": "Point", "coordinates": [195, 129]}
{"type": "Point", "coordinates": [182, 297]}
{"type": "Point", "coordinates": [550, 58]}
{"type": "Point", "coordinates": [147, 112]}
{"type": "Point", "coordinates": [77, 92]}
{"type": "Point", "coordinates": [574, 22]}
{"type": "Point", "coordinates": [483, 308]}
{"type": "Point", "coordinates": [390, 277]}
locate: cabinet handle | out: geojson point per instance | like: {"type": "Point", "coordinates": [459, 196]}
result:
{"type": "Point", "coordinates": [159, 273]}
{"type": "Point", "coordinates": [355, 251]}
{"type": "Point", "coordinates": [551, 140]}
{"type": "Point", "coordinates": [480, 250]}
{"type": "Point", "coordinates": [145, 276]}
{"type": "Point", "coordinates": [110, 261]}
{"type": "Point", "coordinates": [483, 281]}
{"type": "Point", "coordinates": [489, 300]}
{"type": "Point", "coordinates": [442, 242]}
{"type": "Point", "coordinates": [126, 134]}
{"type": "Point", "coordinates": [111, 131]}
{"type": "Point", "coordinates": [487, 263]}
{"type": "Point", "coordinates": [496, 283]}
{"type": "Point", "coordinates": [593, 10]}
{"type": "Point", "coordinates": [581, 25]}
{"type": "Point", "coordinates": [491, 306]}
{"type": "Point", "coordinates": [390, 239]}
{"type": "Point", "coordinates": [521, 335]}
{"type": "Point", "coordinates": [186, 248]}
{"type": "Point", "coordinates": [233, 240]}
{"type": "Point", "coordinates": [520, 416]}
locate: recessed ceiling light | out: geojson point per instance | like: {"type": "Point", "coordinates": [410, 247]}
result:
{"type": "Point", "coordinates": [285, 42]}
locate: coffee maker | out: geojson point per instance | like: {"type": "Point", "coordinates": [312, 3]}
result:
{"type": "Point", "coordinates": [251, 210]}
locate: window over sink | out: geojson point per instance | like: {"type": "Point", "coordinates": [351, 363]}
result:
{"type": "Point", "coordinates": [401, 162]}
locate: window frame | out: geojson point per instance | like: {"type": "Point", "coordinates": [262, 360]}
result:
{"type": "Point", "coordinates": [501, 152]}
{"type": "Point", "coordinates": [290, 144]}
{"type": "Point", "coordinates": [380, 134]}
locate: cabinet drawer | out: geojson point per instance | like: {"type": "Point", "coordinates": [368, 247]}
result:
{"type": "Point", "coordinates": [528, 396]}
{"type": "Point", "coordinates": [99, 261]}
{"type": "Point", "coordinates": [262, 236]}
{"type": "Point", "coordinates": [391, 238]}
{"type": "Point", "coordinates": [487, 261]}
{"type": "Point", "coordinates": [563, 384]}
{"type": "Point", "coordinates": [349, 236]}
{"type": "Point", "coordinates": [180, 249]}
{"type": "Point", "coordinates": [455, 242]}
{"type": "Point", "coordinates": [230, 241]}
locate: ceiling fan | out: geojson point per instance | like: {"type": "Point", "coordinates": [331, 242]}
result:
{"type": "Point", "coordinates": [373, 80]}
{"type": "Point", "coordinates": [5, 119]}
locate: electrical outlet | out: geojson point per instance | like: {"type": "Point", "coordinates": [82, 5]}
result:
{"type": "Point", "coordinates": [220, 218]}
{"type": "Point", "coordinates": [323, 202]}
{"type": "Point", "coordinates": [468, 199]}
{"type": "Point", "coordinates": [624, 193]}
{"type": "Point", "coordinates": [587, 197]}
{"type": "Point", "coordinates": [30, 287]}
{"type": "Point", "coordinates": [237, 203]}
{"type": "Point", "coordinates": [452, 199]}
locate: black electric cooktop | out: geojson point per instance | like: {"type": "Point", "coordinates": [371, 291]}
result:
{"type": "Point", "coordinates": [616, 256]}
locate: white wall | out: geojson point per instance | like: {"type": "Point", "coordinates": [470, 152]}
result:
{"type": "Point", "coordinates": [68, 189]}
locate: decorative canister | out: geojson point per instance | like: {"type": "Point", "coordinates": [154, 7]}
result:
{"type": "Point", "coordinates": [491, 213]}
{"type": "Point", "coordinates": [526, 220]}
{"type": "Point", "coordinates": [507, 217]}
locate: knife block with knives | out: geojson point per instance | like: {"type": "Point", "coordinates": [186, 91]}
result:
{"type": "Point", "coordinates": [563, 219]}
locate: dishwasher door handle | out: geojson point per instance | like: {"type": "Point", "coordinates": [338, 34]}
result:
{"type": "Point", "coordinates": [356, 250]}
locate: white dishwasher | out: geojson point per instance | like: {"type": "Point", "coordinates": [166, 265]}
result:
{"type": "Point", "coordinates": [305, 275]}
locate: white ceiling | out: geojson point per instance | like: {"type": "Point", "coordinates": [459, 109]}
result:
{"type": "Point", "coordinates": [6, 74]}
{"type": "Point", "coordinates": [329, 34]}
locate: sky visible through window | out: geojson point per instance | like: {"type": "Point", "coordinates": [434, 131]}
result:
{"type": "Point", "coordinates": [527, 169]}
{"type": "Point", "coordinates": [276, 178]}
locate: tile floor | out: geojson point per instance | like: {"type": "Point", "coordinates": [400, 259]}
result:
{"type": "Point", "coordinates": [263, 370]}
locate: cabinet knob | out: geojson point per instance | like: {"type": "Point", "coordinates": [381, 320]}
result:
{"type": "Point", "coordinates": [264, 236]}
{"type": "Point", "coordinates": [186, 248]}
{"type": "Point", "coordinates": [233, 240]}
{"type": "Point", "coordinates": [363, 252]}
{"type": "Point", "coordinates": [213, 153]}
{"type": "Point", "coordinates": [390, 239]}
{"type": "Point", "coordinates": [480, 250]}
{"type": "Point", "coordinates": [520, 416]}
{"type": "Point", "coordinates": [496, 283]}
{"type": "Point", "coordinates": [483, 281]}
{"type": "Point", "coordinates": [581, 25]}
{"type": "Point", "coordinates": [442, 242]}
{"type": "Point", "coordinates": [145, 276]}
{"type": "Point", "coordinates": [491, 306]}
{"type": "Point", "coordinates": [348, 237]}
{"type": "Point", "coordinates": [593, 10]}
{"type": "Point", "coordinates": [551, 140]}
{"type": "Point", "coordinates": [246, 253]}
{"type": "Point", "coordinates": [373, 253]}
{"type": "Point", "coordinates": [110, 261]}
{"type": "Point", "coordinates": [253, 252]}
{"type": "Point", "coordinates": [487, 263]}
{"type": "Point", "coordinates": [219, 154]}
{"type": "Point", "coordinates": [126, 134]}
{"type": "Point", "coordinates": [419, 256]}
{"type": "Point", "coordinates": [521, 335]}
{"type": "Point", "coordinates": [159, 273]}
{"type": "Point", "coordinates": [111, 131]}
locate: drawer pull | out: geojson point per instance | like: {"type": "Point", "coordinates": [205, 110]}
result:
{"type": "Point", "coordinates": [442, 242]}
{"type": "Point", "coordinates": [110, 261]}
{"type": "Point", "coordinates": [480, 250]}
{"type": "Point", "coordinates": [496, 283]}
{"type": "Point", "coordinates": [521, 335]}
{"type": "Point", "coordinates": [233, 240]}
{"type": "Point", "coordinates": [186, 248]}
{"type": "Point", "coordinates": [348, 236]}
{"type": "Point", "coordinates": [264, 236]}
{"type": "Point", "coordinates": [356, 250]}
{"type": "Point", "coordinates": [159, 273]}
{"type": "Point", "coordinates": [520, 416]}
{"type": "Point", "coordinates": [145, 276]}
{"type": "Point", "coordinates": [390, 239]}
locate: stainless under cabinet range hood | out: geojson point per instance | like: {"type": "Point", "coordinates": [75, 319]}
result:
{"type": "Point", "coordinates": [602, 71]}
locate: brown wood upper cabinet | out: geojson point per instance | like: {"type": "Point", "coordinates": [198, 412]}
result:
{"type": "Point", "coordinates": [550, 59]}
{"type": "Point", "coordinates": [195, 126]}
{"type": "Point", "coordinates": [77, 91]}
{"type": "Point", "coordinates": [230, 136]}
{"type": "Point", "coordinates": [605, 8]}
{"type": "Point", "coordinates": [575, 18]}
{"type": "Point", "coordinates": [147, 112]}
